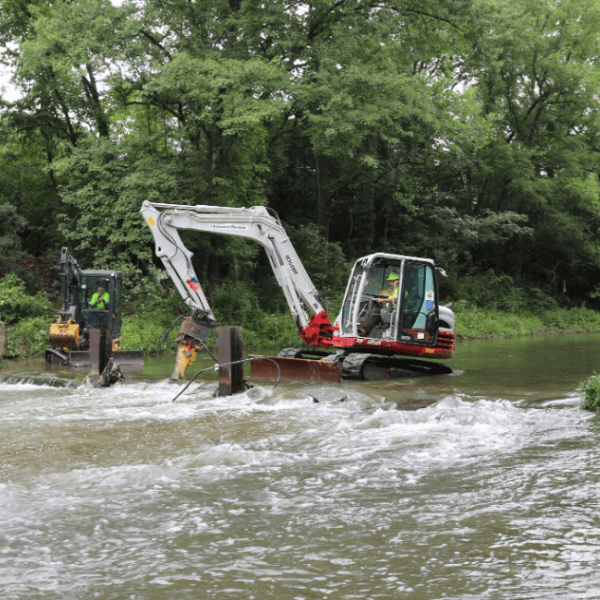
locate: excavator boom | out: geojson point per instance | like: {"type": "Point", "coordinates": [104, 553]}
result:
{"type": "Point", "coordinates": [253, 223]}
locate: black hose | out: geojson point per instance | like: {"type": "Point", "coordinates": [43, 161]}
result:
{"type": "Point", "coordinates": [235, 362]}
{"type": "Point", "coordinates": [165, 336]}
{"type": "Point", "coordinates": [205, 347]}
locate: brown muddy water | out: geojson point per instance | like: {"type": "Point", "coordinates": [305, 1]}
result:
{"type": "Point", "coordinates": [491, 491]}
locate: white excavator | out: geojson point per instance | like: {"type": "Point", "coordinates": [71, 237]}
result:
{"type": "Point", "coordinates": [389, 317]}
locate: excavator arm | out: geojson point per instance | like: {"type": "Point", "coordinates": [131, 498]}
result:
{"type": "Point", "coordinates": [65, 333]}
{"type": "Point", "coordinates": [165, 220]}
{"type": "Point", "coordinates": [69, 271]}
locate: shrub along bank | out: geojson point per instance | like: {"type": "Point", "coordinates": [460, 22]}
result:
{"type": "Point", "coordinates": [591, 393]}
{"type": "Point", "coordinates": [27, 317]}
{"type": "Point", "coordinates": [494, 305]}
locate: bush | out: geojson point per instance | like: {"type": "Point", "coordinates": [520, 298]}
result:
{"type": "Point", "coordinates": [591, 393]}
{"type": "Point", "coordinates": [32, 280]}
{"type": "Point", "coordinates": [17, 304]}
{"type": "Point", "coordinates": [502, 292]}
{"type": "Point", "coordinates": [574, 319]}
{"type": "Point", "coordinates": [271, 330]}
{"type": "Point", "coordinates": [481, 323]}
{"type": "Point", "coordinates": [154, 292]}
{"type": "Point", "coordinates": [324, 262]}
{"type": "Point", "coordinates": [28, 338]}
{"type": "Point", "coordinates": [143, 330]}
{"type": "Point", "coordinates": [236, 304]}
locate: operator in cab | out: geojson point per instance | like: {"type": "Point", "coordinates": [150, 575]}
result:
{"type": "Point", "coordinates": [390, 295]}
{"type": "Point", "coordinates": [100, 299]}
{"type": "Point", "coordinates": [387, 301]}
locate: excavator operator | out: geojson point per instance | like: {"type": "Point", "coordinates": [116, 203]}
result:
{"type": "Point", "coordinates": [390, 295]}
{"type": "Point", "coordinates": [100, 299]}
{"type": "Point", "coordinates": [373, 315]}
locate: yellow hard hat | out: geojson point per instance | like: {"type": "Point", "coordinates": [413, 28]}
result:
{"type": "Point", "coordinates": [393, 276]}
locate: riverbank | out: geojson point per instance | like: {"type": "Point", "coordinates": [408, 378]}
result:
{"type": "Point", "coordinates": [477, 323]}
{"type": "Point", "coordinates": [29, 337]}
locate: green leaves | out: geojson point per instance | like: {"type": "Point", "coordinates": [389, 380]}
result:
{"type": "Point", "coordinates": [10, 224]}
{"type": "Point", "coordinates": [28, 338]}
{"type": "Point", "coordinates": [17, 304]}
{"type": "Point", "coordinates": [590, 389]}
{"type": "Point", "coordinates": [466, 130]}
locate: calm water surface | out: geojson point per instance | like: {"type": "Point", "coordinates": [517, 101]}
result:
{"type": "Point", "coordinates": [307, 492]}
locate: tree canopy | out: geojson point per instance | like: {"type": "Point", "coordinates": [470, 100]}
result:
{"type": "Point", "coordinates": [462, 130]}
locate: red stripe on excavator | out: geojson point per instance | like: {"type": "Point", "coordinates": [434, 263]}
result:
{"type": "Point", "coordinates": [320, 332]}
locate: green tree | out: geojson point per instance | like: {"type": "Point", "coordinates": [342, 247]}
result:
{"type": "Point", "coordinates": [10, 223]}
{"type": "Point", "coordinates": [535, 77]}
{"type": "Point", "coordinates": [463, 130]}
{"type": "Point", "coordinates": [25, 185]}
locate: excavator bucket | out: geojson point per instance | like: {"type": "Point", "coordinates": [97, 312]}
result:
{"type": "Point", "coordinates": [294, 369]}
{"type": "Point", "coordinates": [64, 335]}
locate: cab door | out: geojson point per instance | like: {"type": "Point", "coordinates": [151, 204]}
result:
{"type": "Point", "coordinates": [418, 316]}
{"type": "Point", "coordinates": [115, 304]}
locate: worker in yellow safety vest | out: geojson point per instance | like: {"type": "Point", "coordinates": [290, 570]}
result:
{"type": "Point", "coordinates": [100, 299]}
{"type": "Point", "coordinates": [391, 295]}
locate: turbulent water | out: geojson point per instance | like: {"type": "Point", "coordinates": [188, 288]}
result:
{"type": "Point", "coordinates": [306, 492]}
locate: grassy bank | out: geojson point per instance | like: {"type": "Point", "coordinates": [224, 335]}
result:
{"type": "Point", "coordinates": [496, 308]}
{"type": "Point", "coordinates": [479, 323]}
{"type": "Point", "coordinates": [142, 330]}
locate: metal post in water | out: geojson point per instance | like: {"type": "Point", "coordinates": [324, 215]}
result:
{"type": "Point", "coordinates": [100, 350]}
{"type": "Point", "coordinates": [231, 349]}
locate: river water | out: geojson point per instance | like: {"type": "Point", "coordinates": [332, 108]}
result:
{"type": "Point", "coordinates": [307, 492]}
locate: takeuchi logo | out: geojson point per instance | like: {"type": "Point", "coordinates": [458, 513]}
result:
{"type": "Point", "coordinates": [228, 227]}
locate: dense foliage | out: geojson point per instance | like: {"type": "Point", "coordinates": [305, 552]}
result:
{"type": "Point", "coordinates": [17, 304]}
{"type": "Point", "coordinates": [462, 130]}
{"type": "Point", "coordinates": [28, 316]}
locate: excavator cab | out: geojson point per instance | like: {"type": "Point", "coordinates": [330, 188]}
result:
{"type": "Point", "coordinates": [391, 297]}
{"type": "Point", "coordinates": [109, 316]}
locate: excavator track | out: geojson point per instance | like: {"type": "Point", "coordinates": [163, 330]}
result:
{"type": "Point", "coordinates": [358, 365]}
{"type": "Point", "coordinates": [373, 366]}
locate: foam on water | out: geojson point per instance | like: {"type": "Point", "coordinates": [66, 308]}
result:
{"type": "Point", "coordinates": [121, 493]}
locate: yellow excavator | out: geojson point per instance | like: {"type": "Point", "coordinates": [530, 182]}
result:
{"type": "Point", "coordinates": [80, 312]}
